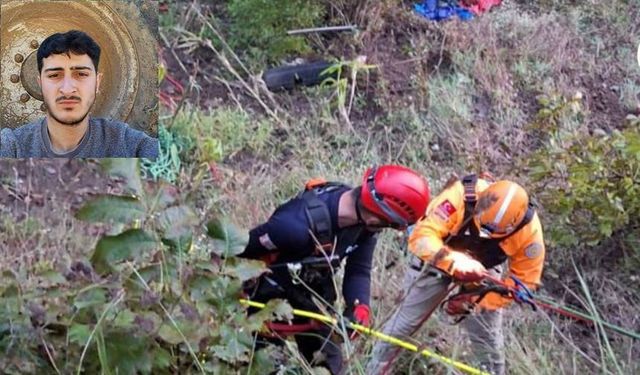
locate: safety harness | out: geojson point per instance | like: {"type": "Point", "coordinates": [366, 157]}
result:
{"type": "Point", "coordinates": [314, 270]}
{"type": "Point", "coordinates": [486, 250]}
{"type": "Point", "coordinates": [317, 211]}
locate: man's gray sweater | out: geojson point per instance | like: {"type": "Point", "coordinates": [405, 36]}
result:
{"type": "Point", "coordinates": [105, 138]}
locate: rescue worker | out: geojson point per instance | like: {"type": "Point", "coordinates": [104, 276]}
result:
{"type": "Point", "coordinates": [469, 230]}
{"type": "Point", "coordinates": [315, 231]}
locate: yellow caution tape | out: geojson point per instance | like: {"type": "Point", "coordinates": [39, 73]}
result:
{"type": "Point", "coordinates": [377, 334]}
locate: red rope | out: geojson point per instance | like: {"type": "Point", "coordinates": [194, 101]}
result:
{"type": "Point", "coordinates": [563, 312]}
{"type": "Point", "coordinates": [547, 306]}
{"type": "Point", "coordinates": [285, 329]}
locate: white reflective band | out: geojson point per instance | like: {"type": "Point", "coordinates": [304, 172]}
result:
{"type": "Point", "coordinates": [505, 205]}
{"type": "Point", "coordinates": [484, 233]}
{"type": "Point", "coordinates": [265, 241]}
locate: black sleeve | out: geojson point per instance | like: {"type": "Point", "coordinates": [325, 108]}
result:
{"type": "Point", "coordinates": [254, 249]}
{"type": "Point", "coordinates": [287, 229]}
{"type": "Point", "coordinates": [357, 273]}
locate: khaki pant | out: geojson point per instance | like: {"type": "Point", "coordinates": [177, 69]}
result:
{"type": "Point", "coordinates": [424, 290]}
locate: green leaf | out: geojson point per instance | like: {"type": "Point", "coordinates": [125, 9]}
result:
{"type": "Point", "coordinates": [162, 71]}
{"type": "Point", "coordinates": [149, 274]}
{"type": "Point", "coordinates": [191, 327]}
{"type": "Point", "coordinates": [176, 224]}
{"type": "Point", "coordinates": [606, 228]}
{"type": "Point", "coordinates": [11, 290]}
{"type": "Point", "coordinates": [245, 269]}
{"type": "Point", "coordinates": [79, 333]}
{"type": "Point", "coordinates": [200, 288]}
{"type": "Point", "coordinates": [170, 334]}
{"type": "Point", "coordinates": [124, 318]}
{"type": "Point", "coordinates": [161, 359]}
{"type": "Point", "coordinates": [51, 278]}
{"type": "Point", "coordinates": [320, 371]}
{"type": "Point", "coordinates": [237, 344]}
{"type": "Point", "coordinates": [8, 274]}
{"type": "Point", "coordinates": [127, 169]}
{"type": "Point", "coordinates": [91, 297]}
{"type": "Point", "coordinates": [545, 113]}
{"type": "Point", "coordinates": [128, 353]}
{"type": "Point", "coordinates": [113, 249]}
{"type": "Point", "coordinates": [148, 321]}
{"type": "Point", "coordinates": [275, 309]}
{"type": "Point", "coordinates": [263, 360]}
{"type": "Point", "coordinates": [225, 288]}
{"type": "Point", "coordinates": [228, 239]}
{"type": "Point", "coordinates": [112, 208]}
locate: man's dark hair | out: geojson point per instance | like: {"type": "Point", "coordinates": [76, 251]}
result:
{"type": "Point", "coordinates": [74, 41]}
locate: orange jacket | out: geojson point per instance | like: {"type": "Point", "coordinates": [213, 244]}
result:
{"type": "Point", "coordinates": [524, 249]}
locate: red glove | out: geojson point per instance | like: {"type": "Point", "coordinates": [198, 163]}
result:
{"type": "Point", "coordinates": [361, 315]}
{"type": "Point", "coordinates": [465, 268]}
{"type": "Point", "coordinates": [461, 305]}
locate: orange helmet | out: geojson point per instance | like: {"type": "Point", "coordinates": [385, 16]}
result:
{"type": "Point", "coordinates": [500, 209]}
{"type": "Point", "coordinates": [395, 193]}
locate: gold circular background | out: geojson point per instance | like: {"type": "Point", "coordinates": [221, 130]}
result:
{"type": "Point", "coordinates": [128, 59]}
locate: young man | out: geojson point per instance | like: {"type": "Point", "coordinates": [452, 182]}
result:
{"type": "Point", "coordinates": [470, 229]}
{"type": "Point", "coordinates": [322, 226]}
{"type": "Point", "coordinates": [68, 76]}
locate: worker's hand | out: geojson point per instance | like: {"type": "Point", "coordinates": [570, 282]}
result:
{"type": "Point", "coordinates": [360, 314]}
{"type": "Point", "coordinates": [521, 293]}
{"type": "Point", "coordinates": [461, 305]}
{"type": "Point", "coordinates": [465, 268]}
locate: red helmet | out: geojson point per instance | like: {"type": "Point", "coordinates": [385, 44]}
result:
{"type": "Point", "coordinates": [395, 193]}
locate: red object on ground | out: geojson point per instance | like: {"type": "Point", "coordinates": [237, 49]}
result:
{"type": "Point", "coordinates": [479, 6]}
{"type": "Point", "coordinates": [284, 329]}
{"type": "Point", "coordinates": [170, 99]}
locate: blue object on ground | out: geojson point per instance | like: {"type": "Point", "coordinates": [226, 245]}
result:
{"type": "Point", "coordinates": [433, 11]}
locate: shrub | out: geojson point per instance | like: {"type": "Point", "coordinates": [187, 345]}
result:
{"type": "Point", "coordinates": [149, 299]}
{"type": "Point", "coordinates": [260, 26]}
{"type": "Point", "coordinates": [590, 185]}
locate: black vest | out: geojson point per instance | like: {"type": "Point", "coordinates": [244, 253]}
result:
{"type": "Point", "coordinates": [321, 225]}
{"type": "Point", "coordinates": [317, 276]}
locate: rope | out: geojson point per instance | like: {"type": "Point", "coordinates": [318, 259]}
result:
{"type": "Point", "coordinates": [377, 334]}
{"type": "Point", "coordinates": [577, 315]}
{"type": "Point", "coordinates": [567, 311]}
{"type": "Point", "coordinates": [167, 165]}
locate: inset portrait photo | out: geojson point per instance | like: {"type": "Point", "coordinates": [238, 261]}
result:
{"type": "Point", "coordinates": [78, 79]}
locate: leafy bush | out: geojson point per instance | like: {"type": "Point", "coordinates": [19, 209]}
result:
{"type": "Point", "coordinates": [260, 26]}
{"type": "Point", "coordinates": [589, 185]}
{"type": "Point", "coordinates": [150, 298]}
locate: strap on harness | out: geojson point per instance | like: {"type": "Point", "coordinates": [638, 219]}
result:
{"type": "Point", "coordinates": [317, 211]}
{"type": "Point", "coordinates": [469, 184]}
{"type": "Point", "coordinates": [471, 198]}
{"type": "Point", "coordinates": [480, 291]}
